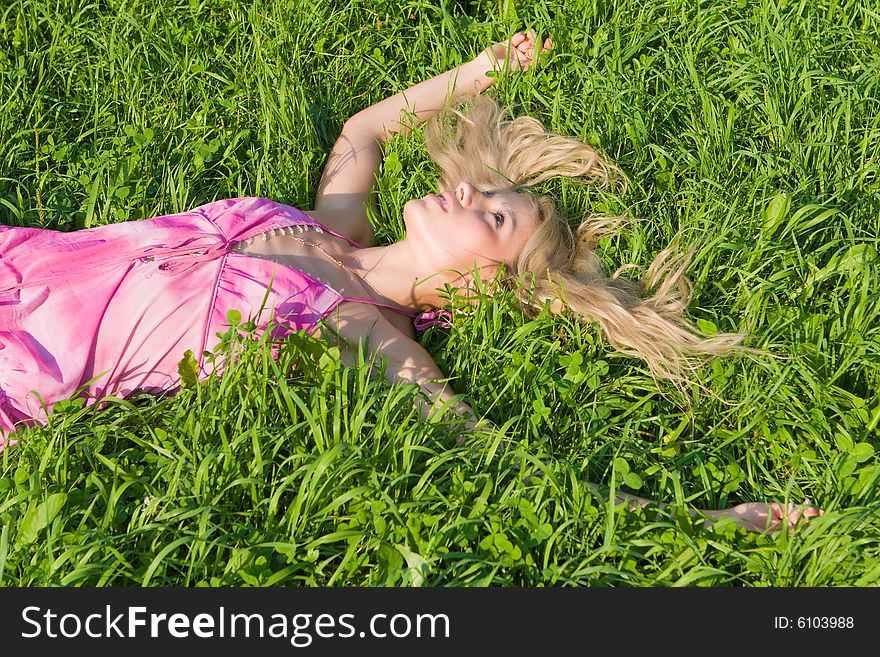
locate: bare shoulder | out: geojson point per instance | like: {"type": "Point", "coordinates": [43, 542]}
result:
{"type": "Point", "coordinates": [354, 318]}
{"type": "Point", "coordinates": [354, 322]}
{"type": "Point", "coordinates": [346, 221]}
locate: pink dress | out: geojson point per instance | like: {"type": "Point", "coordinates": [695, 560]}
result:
{"type": "Point", "coordinates": [111, 310]}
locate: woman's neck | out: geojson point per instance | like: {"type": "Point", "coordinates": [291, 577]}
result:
{"type": "Point", "coordinates": [394, 272]}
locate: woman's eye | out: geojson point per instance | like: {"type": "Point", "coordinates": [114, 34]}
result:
{"type": "Point", "coordinates": [499, 219]}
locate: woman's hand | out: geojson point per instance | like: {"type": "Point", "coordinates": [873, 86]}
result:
{"type": "Point", "coordinates": [518, 53]}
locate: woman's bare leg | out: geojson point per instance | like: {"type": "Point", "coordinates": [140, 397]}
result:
{"type": "Point", "coordinates": [753, 516]}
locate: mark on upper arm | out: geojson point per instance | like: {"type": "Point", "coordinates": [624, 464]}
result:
{"type": "Point", "coordinates": [337, 160]}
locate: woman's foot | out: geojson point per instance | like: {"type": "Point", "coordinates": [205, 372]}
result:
{"type": "Point", "coordinates": [761, 517]}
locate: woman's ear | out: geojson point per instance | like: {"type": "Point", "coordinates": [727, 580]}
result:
{"type": "Point", "coordinates": [556, 306]}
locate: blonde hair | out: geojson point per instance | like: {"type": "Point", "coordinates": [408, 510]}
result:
{"type": "Point", "coordinates": [474, 142]}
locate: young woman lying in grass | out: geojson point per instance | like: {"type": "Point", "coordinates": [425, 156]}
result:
{"type": "Point", "coordinates": [110, 310]}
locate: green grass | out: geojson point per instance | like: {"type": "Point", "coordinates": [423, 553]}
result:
{"type": "Point", "coordinates": [749, 128]}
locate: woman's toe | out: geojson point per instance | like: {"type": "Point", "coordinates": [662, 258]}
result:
{"type": "Point", "coordinates": [805, 510]}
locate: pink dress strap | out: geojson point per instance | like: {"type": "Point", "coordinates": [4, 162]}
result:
{"type": "Point", "coordinates": [245, 217]}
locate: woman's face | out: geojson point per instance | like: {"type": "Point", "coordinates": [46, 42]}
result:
{"type": "Point", "coordinates": [466, 228]}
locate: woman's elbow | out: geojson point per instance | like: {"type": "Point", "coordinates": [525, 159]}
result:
{"type": "Point", "coordinates": [359, 126]}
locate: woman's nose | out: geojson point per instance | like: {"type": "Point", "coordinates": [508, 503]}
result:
{"type": "Point", "coordinates": [465, 192]}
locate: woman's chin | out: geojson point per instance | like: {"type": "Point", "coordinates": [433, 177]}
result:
{"type": "Point", "coordinates": [411, 212]}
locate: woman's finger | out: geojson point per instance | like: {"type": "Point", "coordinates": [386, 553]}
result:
{"type": "Point", "coordinates": [810, 510]}
{"type": "Point", "coordinates": [522, 49]}
{"type": "Point", "coordinates": [798, 512]}
{"type": "Point", "coordinates": [540, 47]}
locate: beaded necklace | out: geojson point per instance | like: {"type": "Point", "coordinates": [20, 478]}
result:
{"type": "Point", "coordinates": [239, 247]}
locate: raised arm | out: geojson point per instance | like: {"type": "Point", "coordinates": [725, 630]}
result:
{"type": "Point", "coordinates": [344, 192]}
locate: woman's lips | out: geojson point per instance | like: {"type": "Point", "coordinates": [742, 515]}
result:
{"type": "Point", "coordinates": [439, 200]}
